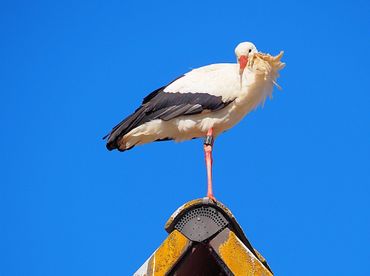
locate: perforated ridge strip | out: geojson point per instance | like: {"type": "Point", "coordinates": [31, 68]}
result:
{"type": "Point", "coordinates": [201, 223]}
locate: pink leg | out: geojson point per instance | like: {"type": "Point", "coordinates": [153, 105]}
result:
{"type": "Point", "coordinates": [208, 144]}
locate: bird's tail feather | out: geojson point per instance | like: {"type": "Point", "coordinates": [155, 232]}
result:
{"type": "Point", "coordinates": [125, 126]}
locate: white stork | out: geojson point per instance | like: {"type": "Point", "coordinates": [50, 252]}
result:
{"type": "Point", "coordinates": [202, 103]}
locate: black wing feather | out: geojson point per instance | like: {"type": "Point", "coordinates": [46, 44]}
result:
{"type": "Point", "coordinates": [165, 106]}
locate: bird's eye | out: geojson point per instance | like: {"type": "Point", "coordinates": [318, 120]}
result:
{"type": "Point", "coordinates": [250, 50]}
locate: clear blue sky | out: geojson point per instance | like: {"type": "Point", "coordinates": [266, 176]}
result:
{"type": "Point", "coordinates": [296, 173]}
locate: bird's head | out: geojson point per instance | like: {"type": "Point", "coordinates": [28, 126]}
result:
{"type": "Point", "coordinates": [243, 52]}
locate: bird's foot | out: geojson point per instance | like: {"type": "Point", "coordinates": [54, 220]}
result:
{"type": "Point", "coordinates": [211, 197]}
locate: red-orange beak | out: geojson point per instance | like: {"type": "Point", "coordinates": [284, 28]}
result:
{"type": "Point", "coordinates": [243, 61]}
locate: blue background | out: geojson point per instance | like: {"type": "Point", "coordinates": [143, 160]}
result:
{"type": "Point", "coordinates": [295, 173]}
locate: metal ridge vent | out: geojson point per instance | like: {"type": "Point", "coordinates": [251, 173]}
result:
{"type": "Point", "coordinates": [201, 223]}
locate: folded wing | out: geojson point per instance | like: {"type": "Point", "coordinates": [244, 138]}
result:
{"type": "Point", "coordinates": [165, 106]}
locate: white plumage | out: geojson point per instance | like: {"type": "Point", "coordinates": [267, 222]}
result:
{"type": "Point", "coordinates": [235, 90]}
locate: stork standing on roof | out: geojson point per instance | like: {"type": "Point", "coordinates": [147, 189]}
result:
{"type": "Point", "coordinates": [202, 103]}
